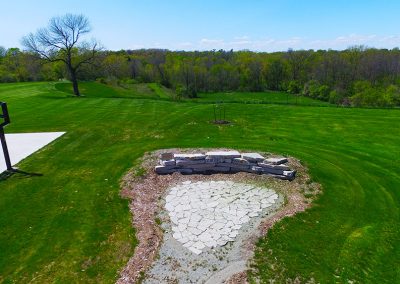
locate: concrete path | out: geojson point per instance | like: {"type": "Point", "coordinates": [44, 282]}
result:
{"type": "Point", "coordinates": [210, 214]}
{"type": "Point", "coordinates": [22, 145]}
{"type": "Point", "coordinates": [221, 244]}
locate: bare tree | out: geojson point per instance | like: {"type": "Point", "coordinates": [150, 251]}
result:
{"type": "Point", "coordinates": [62, 41]}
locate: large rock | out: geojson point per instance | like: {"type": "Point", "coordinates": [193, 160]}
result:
{"type": "Point", "coordinates": [183, 171]}
{"type": "Point", "coordinates": [189, 156]}
{"type": "Point", "coordinates": [220, 169]}
{"type": "Point", "coordinates": [253, 157]}
{"type": "Point", "coordinates": [238, 167]}
{"type": "Point", "coordinates": [275, 167]}
{"type": "Point", "coordinates": [224, 162]}
{"type": "Point", "coordinates": [240, 161]}
{"type": "Point", "coordinates": [167, 156]}
{"type": "Point", "coordinates": [276, 161]}
{"type": "Point", "coordinates": [188, 163]}
{"type": "Point", "coordinates": [218, 160]}
{"type": "Point", "coordinates": [215, 160]}
{"type": "Point", "coordinates": [223, 154]}
{"type": "Point", "coordinates": [199, 171]}
{"type": "Point", "coordinates": [256, 169]}
{"type": "Point", "coordinates": [168, 163]}
{"type": "Point", "coordinates": [164, 170]}
{"type": "Point", "coordinates": [289, 174]}
{"type": "Point", "coordinates": [202, 166]}
{"type": "Point", "coordinates": [272, 171]}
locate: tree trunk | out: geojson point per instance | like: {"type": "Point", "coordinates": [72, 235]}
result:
{"type": "Point", "coordinates": [75, 83]}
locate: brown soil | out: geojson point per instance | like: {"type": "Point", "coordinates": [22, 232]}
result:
{"type": "Point", "coordinates": [238, 278]}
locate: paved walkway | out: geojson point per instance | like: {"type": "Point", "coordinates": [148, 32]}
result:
{"type": "Point", "coordinates": [210, 214]}
{"type": "Point", "coordinates": [213, 227]}
{"type": "Point", "coordinates": [22, 145]}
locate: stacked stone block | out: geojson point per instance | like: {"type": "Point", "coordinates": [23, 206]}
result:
{"type": "Point", "coordinates": [224, 162]}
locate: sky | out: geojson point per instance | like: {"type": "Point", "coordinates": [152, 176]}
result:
{"type": "Point", "coordinates": [258, 25]}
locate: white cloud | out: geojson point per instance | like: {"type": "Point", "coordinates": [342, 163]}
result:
{"type": "Point", "coordinates": [272, 44]}
{"type": "Point", "coordinates": [240, 42]}
{"type": "Point", "coordinates": [206, 41]}
{"type": "Point", "coordinates": [340, 43]}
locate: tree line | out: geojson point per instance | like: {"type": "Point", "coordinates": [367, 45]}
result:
{"type": "Point", "coordinates": [357, 76]}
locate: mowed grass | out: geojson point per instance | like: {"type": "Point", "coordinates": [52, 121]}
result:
{"type": "Point", "coordinates": [70, 225]}
{"type": "Point", "coordinates": [137, 91]}
{"type": "Point", "coordinates": [269, 97]}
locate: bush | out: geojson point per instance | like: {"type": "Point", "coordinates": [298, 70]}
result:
{"type": "Point", "coordinates": [102, 80]}
{"type": "Point", "coordinates": [6, 77]}
{"type": "Point", "coordinates": [393, 92]}
{"type": "Point", "coordinates": [130, 81]}
{"type": "Point", "coordinates": [323, 93]}
{"type": "Point", "coordinates": [376, 96]}
{"type": "Point", "coordinates": [337, 96]}
{"type": "Point", "coordinates": [293, 87]}
{"type": "Point", "coordinates": [314, 90]}
{"type": "Point", "coordinates": [181, 92]}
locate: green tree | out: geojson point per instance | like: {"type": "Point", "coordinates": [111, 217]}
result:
{"type": "Point", "coordinates": [275, 74]}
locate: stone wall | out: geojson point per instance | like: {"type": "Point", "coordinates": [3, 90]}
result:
{"type": "Point", "coordinates": [224, 162]}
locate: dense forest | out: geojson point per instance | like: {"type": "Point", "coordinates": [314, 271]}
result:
{"type": "Point", "coordinates": [357, 76]}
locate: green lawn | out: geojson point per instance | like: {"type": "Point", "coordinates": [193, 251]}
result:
{"type": "Point", "coordinates": [268, 97]}
{"type": "Point", "coordinates": [137, 91]}
{"type": "Point", "coordinates": [70, 225]}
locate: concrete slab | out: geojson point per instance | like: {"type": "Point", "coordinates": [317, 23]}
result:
{"type": "Point", "coordinates": [22, 145]}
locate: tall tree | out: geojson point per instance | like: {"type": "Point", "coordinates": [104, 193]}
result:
{"type": "Point", "coordinates": [297, 62]}
{"type": "Point", "coordinates": [3, 52]}
{"type": "Point", "coordinates": [62, 41]}
{"type": "Point", "coordinates": [275, 74]}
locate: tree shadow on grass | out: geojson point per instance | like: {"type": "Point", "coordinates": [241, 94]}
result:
{"type": "Point", "coordinates": [21, 174]}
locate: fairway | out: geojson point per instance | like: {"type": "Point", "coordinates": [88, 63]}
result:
{"type": "Point", "coordinates": [71, 225]}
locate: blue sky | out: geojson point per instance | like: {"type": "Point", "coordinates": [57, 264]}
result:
{"type": "Point", "coordinates": [260, 25]}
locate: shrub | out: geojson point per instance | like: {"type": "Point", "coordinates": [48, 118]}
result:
{"type": "Point", "coordinates": [102, 80]}
{"type": "Point", "coordinates": [293, 87]}
{"type": "Point", "coordinates": [337, 96]}
{"type": "Point", "coordinates": [314, 90]}
{"type": "Point", "coordinates": [376, 96]}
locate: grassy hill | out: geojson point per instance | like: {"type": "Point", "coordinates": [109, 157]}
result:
{"type": "Point", "coordinates": [137, 91]}
{"type": "Point", "coordinates": [70, 225]}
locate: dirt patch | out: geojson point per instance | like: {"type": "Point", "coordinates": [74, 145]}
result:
{"type": "Point", "coordinates": [238, 278]}
{"type": "Point", "coordinates": [146, 190]}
